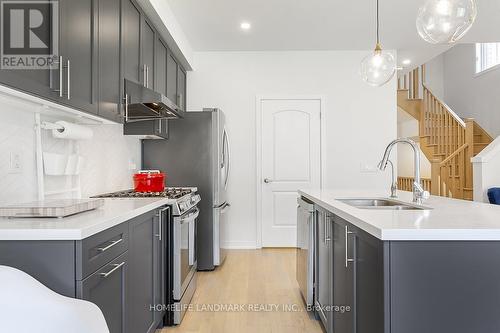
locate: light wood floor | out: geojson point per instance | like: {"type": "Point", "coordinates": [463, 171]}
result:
{"type": "Point", "coordinates": [249, 277]}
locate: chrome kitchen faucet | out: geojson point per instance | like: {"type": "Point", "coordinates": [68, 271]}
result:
{"type": "Point", "coordinates": [419, 193]}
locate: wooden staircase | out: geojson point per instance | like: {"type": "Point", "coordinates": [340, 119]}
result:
{"type": "Point", "coordinates": [447, 141]}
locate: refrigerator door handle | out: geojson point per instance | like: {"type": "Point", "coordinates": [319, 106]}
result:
{"type": "Point", "coordinates": [222, 206]}
{"type": "Point", "coordinates": [225, 208]}
{"type": "Point", "coordinates": [227, 158]}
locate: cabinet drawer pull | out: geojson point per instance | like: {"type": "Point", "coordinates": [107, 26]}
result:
{"type": "Point", "coordinates": [116, 267]}
{"type": "Point", "coordinates": [113, 243]}
{"type": "Point", "coordinates": [327, 236]}
{"type": "Point", "coordinates": [347, 259]}
{"type": "Point", "coordinates": [60, 90]}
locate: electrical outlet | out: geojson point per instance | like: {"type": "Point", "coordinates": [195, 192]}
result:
{"type": "Point", "coordinates": [16, 162]}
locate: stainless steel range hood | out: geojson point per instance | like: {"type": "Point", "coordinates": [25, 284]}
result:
{"type": "Point", "coordinates": [146, 104]}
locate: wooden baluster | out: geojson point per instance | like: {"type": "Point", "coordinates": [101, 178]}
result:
{"type": "Point", "coordinates": [469, 139]}
{"type": "Point", "coordinates": [435, 170]}
{"type": "Point", "coordinates": [449, 135]}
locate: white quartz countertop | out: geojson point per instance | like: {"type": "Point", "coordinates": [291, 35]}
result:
{"type": "Point", "coordinates": [448, 219]}
{"type": "Point", "coordinates": [79, 226]}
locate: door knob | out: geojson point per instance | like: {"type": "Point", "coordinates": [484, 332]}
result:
{"type": "Point", "coordinates": [267, 180]}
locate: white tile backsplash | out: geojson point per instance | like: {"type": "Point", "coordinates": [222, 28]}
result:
{"type": "Point", "coordinates": [108, 155]}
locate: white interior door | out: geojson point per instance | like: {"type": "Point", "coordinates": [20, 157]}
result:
{"type": "Point", "coordinates": [291, 160]}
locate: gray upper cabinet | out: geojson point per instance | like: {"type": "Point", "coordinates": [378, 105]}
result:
{"type": "Point", "coordinates": [161, 54]}
{"type": "Point", "coordinates": [172, 78]}
{"type": "Point", "coordinates": [109, 76]}
{"type": "Point", "coordinates": [78, 53]}
{"type": "Point", "coordinates": [181, 89]}
{"type": "Point", "coordinates": [131, 41]}
{"type": "Point", "coordinates": [101, 43]}
{"type": "Point", "coordinates": [34, 81]}
{"type": "Point", "coordinates": [148, 35]}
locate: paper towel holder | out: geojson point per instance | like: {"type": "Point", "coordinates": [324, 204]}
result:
{"type": "Point", "coordinates": [51, 126]}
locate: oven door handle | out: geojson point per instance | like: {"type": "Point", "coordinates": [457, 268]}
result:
{"type": "Point", "coordinates": [191, 216]}
{"type": "Point", "coordinates": [191, 251]}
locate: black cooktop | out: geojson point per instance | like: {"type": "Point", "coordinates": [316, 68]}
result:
{"type": "Point", "coordinates": [169, 193]}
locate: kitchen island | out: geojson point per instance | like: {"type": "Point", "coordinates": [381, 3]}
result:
{"type": "Point", "coordinates": [429, 270]}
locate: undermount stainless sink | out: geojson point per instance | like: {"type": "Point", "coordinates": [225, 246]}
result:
{"type": "Point", "coordinates": [388, 204]}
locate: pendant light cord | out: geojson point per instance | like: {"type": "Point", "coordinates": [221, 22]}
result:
{"type": "Point", "coordinates": [378, 35]}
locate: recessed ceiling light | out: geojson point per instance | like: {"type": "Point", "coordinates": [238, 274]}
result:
{"type": "Point", "coordinates": [406, 62]}
{"type": "Point", "coordinates": [245, 25]}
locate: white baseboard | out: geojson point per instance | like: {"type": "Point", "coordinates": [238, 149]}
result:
{"type": "Point", "coordinates": [239, 245]}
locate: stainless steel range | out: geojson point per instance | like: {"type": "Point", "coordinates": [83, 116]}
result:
{"type": "Point", "coordinates": [181, 256]}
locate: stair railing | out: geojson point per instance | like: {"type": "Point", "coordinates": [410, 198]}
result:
{"type": "Point", "coordinates": [452, 141]}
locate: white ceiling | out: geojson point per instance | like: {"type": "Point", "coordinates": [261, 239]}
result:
{"type": "Point", "coordinates": [213, 25]}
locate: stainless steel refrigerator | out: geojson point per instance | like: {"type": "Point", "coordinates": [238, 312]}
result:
{"type": "Point", "coordinates": [197, 154]}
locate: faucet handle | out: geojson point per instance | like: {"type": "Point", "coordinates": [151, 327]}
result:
{"type": "Point", "coordinates": [425, 195]}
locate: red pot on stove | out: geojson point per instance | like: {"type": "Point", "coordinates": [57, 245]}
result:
{"type": "Point", "coordinates": [149, 181]}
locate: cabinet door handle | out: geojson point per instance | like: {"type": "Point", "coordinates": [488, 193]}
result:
{"type": "Point", "coordinates": [160, 222]}
{"type": "Point", "coordinates": [144, 75]}
{"type": "Point", "coordinates": [347, 233]}
{"type": "Point", "coordinates": [60, 90]}
{"type": "Point", "coordinates": [68, 65]}
{"type": "Point", "coordinates": [125, 100]}
{"type": "Point", "coordinates": [327, 236]}
{"type": "Point", "coordinates": [115, 268]}
{"type": "Point", "coordinates": [159, 126]}
{"type": "Point", "coordinates": [113, 243]}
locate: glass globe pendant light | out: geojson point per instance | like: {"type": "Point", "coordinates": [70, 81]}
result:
{"type": "Point", "coordinates": [445, 21]}
{"type": "Point", "coordinates": [379, 67]}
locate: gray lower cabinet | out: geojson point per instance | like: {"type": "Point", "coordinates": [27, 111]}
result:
{"type": "Point", "coordinates": [349, 277]}
{"type": "Point", "coordinates": [368, 288]}
{"type": "Point", "coordinates": [107, 288]}
{"type": "Point", "coordinates": [143, 257]}
{"type": "Point", "coordinates": [376, 286]}
{"type": "Point", "coordinates": [323, 274]}
{"type": "Point", "coordinates": [120, 269]}
{"type": "Point", "coordinates": [344, 308]}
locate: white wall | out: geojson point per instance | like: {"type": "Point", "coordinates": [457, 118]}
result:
{"type": "Point", "coordinates": [486, 165]}
{"type": "Point", "coordinates": [472, 96]}
{"type": "Point", "coordinates": [107, 156]}
{"type": "Point", "coordinates": [434, 76]}
{"type": "Point", "coordinates": [408, 128]}
{"type": "Point", "coordinates": [360, 120]}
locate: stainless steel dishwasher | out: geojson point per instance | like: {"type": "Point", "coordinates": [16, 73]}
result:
{"type": "Point", "coordinates": [305, 249]}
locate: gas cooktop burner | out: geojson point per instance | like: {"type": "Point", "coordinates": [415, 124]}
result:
{"type": "Point", "coordinates": [169, 193]}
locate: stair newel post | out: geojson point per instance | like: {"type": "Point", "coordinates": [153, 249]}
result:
{"type": "Point", "coordinates": [469, 140]}
{"type": "Point", "coordinates": [435, 173]}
